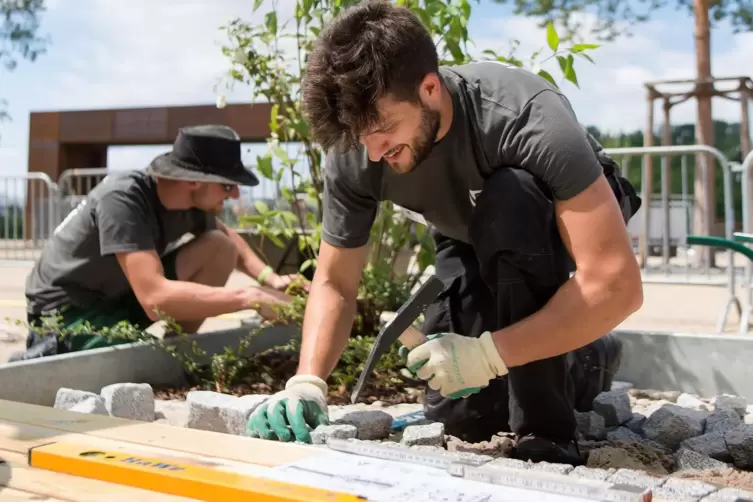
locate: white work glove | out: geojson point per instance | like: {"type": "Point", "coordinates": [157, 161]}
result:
{"type": "Point", "coordinates": [457, 366]}
{"type": "Point", "coordinates": [290, 414]}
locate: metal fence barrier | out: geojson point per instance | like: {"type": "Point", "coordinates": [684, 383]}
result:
{"type": "Point", "coordinates": [25, 231]}
{"type": "Point", "coordinates": [746, 167]}
{"type": "Point", "coordinates": [641, 225]}
{"type": "Point", "coordinates": [666, 273]}
{"type": "Point", "coordinates": [27, 216]}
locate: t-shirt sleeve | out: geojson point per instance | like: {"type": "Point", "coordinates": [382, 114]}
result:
{"type": "Point", "coordinates": [124, 224]}
{"type": "Point", "coordinates": [546, 139]}
{"type": "Point", "coordinates": [349, 210]}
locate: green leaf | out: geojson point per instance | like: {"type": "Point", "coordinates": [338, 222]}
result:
{"type": "Point", "coordinates": [552, 38]}
{"type": "Point", "coordinates": [585, 56]}
{"type": "Point", "coordinates": [546, 75]}
{"type": "Point", "coordinates": [570, 71]}
{"type": "Point", "coordinates": [274, 125]}
{"type": "Point", "coordinates": [261, 207]}
{"type": "Point", "coordinates": [257, 4]}
{"type": "Point", "coordinates": [270, 21]}
{"type": "Point", "coordinates": [583, 47]}
{"type": "Point", "coordinates": [289, 217]}
{"type": "Point", "coordinates": [264, 166]}
{"type": "Point", "coordinates": [562, 60]}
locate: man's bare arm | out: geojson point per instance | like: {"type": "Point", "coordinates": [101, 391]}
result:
{"type": "Point", "coordinates": [180, 300]}
{"type": "Point", "coordinates": [330, 308]}
{"type": "Point", "coordinates": [248, 261]}
{"type": "Point", "coordinates": [605, 289]}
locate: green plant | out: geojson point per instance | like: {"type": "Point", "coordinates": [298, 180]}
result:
{"type": "Point", "coordinates": [564, 55]}
{"type": "Point", "coordinates": [217, 372]}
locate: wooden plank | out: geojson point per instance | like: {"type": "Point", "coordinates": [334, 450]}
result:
{"type": "Point", "coordinates": [18, 475]}
{"type": "Point", "coordinates": [199, 442]}
{"type": "Point", "coordinates": [11, 495]}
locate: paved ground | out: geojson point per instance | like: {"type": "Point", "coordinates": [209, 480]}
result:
{"type": "Point", "coordinates": [667, 307]}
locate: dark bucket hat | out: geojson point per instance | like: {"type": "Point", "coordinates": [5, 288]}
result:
{"type": "Point", "coordinates": [205, 153]}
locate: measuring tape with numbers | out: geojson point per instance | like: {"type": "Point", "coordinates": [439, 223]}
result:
{"type": "Point", "coordinates": [174, 478]}
{"type": "Point", "coordinates": [480, 470]}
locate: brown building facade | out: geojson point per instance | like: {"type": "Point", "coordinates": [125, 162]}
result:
{"type": "Point", "coordinates": [66, 140]}
{"type": "Point", "coordinates": [78, 139]}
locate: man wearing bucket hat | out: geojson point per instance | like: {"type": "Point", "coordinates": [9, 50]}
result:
{"type": "Point", "coordinates": [122, 255]}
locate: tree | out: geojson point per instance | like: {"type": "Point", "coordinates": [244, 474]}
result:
{"type": "Point", "coordinates": [615, 18]}
{"type": "Point", "coordinates": [19, 24]}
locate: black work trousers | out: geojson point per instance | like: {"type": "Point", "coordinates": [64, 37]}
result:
{"type": "Point", "coordinates": [515, 263]}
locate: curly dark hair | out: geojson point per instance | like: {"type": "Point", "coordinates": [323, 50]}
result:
{"type": "Point", "coordinates": [371, 50]}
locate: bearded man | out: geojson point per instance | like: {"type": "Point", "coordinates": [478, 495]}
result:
{"type": "Point", "coordinates": [148, 243]}
{"type": "Point", "coordinates": [518, 195]}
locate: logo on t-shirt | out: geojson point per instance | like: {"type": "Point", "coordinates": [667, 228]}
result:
{"type": "Point", "coordinates": [472, 194]}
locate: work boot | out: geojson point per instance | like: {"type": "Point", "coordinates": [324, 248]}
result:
{"type": "Point", "coordinates": [593, 368]}
{"type": "Point", "coordinates": [537, 449]}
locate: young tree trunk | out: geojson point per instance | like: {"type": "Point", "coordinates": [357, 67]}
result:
{"type": "Point", "coordinates": [705, 205]}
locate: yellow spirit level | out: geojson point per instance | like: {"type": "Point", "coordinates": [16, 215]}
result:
{"type": "Point", "coordinates": [174, 478]}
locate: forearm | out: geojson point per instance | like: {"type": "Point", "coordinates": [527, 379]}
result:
{"type": "Point", "coordinates": [326, 329]}
{"type": "Point", "coordinates": [248, 261]}
{"type": "Point", "coordinates": [250, 264]}
{"type": "Point", "coordinates": [187, 301]}
{"type": "Point", "coordinates": [580, 312]}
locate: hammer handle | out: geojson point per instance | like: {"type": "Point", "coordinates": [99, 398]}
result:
{"type": "Point", "coordinates": [412, 337]}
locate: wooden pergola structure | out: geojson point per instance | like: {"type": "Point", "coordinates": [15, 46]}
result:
{"type": "Point", "coordinates": [671, 93]}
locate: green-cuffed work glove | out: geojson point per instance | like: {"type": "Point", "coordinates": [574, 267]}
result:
{"type": "Point", "coordinates": [455, 365]}
{"type": "Point", "coordinates": [289, 414]}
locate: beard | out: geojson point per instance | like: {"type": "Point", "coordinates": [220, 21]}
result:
{"type": "Point", "coordinates": [423, 142]}
{"type": "Point", "coordinates": [201, 201]}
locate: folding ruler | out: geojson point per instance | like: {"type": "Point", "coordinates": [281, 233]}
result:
{"type": "Point", "coordinates": [174, 478]}
{"type": "Point", "coordinates": [517, 478]}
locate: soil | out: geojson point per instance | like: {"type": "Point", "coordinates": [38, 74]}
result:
{"type": "Point", "coordinates": [620, 454]}
{"type": "Point", "coordinates": [729, 477]}
{"type": "Point", "coordinates": [267, 373]}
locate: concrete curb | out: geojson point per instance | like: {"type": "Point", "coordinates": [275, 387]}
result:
{"type": "Point", "coordinates": [696, 363]}
{"type": "Point", "coordinates": [37, 381]}
{"type": "Point", "coordinates": [702, 364]}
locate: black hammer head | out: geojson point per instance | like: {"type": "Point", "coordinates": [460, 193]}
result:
{"type": "Point", "coordinates": [404, 318]}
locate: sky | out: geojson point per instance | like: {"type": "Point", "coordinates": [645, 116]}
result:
{"type": "Point", "coordinates": [110, 53]}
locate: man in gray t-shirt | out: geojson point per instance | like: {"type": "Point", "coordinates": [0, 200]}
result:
{"type": "Point", "coordinates": [518, 196]}
{"type": "Point", "coordinates": [149, 241]}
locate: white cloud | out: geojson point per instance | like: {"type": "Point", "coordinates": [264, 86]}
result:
{"type": "Point", "coordinates": [146, 53]}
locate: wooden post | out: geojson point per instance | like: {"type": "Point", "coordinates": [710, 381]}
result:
{"type": "Point", "coordinates": [666, 187]}
{"type": "Point", "coordinates": [647, 185]}
{"type": "Point", "coordinates": [745, 137]}
{"type": "Point", "coordinates": [705, 205]}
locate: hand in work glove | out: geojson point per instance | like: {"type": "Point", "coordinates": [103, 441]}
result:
{"type": "Point", "coordinates": [288, 414]}
{"type": "Point", "coordinates": [455, 365]}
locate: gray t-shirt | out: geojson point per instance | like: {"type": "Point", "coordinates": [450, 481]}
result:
{"type": "Point", "coordinates": [122, 213]}
{"type": "Point", "coordinates": [502, 116]}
